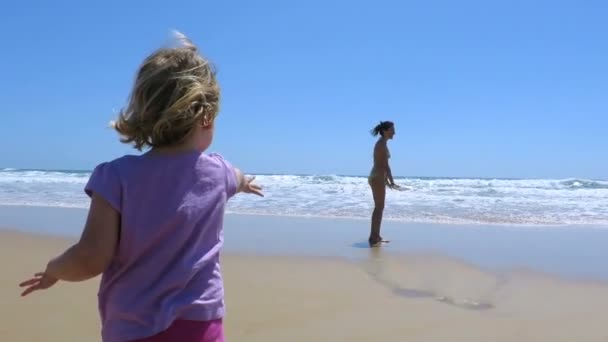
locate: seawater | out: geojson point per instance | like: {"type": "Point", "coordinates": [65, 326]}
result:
{"type": "Point", "coordinates": [431, 200]}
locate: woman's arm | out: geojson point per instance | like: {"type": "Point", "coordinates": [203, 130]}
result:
{"type": "Point", "coordinates": [382, 153]}
{"type": "Point", "coordinates": [389, 176]}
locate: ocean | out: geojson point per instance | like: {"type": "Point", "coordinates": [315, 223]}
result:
{"type": "Point", "coordinates": [526, 202]}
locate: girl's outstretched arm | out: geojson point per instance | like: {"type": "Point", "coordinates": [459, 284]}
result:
{"type": "Point", "coordinates": [95, 250]}
{"type": "Point", "coordinates": [90, 256]}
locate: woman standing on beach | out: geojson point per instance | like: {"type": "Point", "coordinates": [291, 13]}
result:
{"type": "Point", "coordinates": [380, 177]}
{"type": "Point", "coordinates": [155, 225]}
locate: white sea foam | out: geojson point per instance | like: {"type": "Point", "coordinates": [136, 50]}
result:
{"type": "Point", "coordinates": [439, 200]}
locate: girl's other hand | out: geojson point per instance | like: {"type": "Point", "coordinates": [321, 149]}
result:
{"type": "Point", "coordinates": [40, 281]}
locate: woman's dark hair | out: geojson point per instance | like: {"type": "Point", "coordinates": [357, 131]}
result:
{"type": "Point", "coordinates": [382, 127]}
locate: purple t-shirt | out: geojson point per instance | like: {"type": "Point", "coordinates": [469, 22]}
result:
{"type": "Point", "coordinates": [167, 263]}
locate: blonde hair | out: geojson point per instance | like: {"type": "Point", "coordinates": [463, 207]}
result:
{"type": "Point", "coordinates": [174, 90]}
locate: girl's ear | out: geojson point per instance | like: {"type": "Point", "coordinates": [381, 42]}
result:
{"type": "Point", "coordinates": [206, 122]}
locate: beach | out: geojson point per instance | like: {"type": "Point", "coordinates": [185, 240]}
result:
{"type": "Point", "coordinates": [281, 135]}
{"type": "Point", "coordinates": [298, 279]}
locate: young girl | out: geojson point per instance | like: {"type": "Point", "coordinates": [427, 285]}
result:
{"type": "Point", "coordinates": [155, 225]}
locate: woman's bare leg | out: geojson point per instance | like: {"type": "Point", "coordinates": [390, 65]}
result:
{"type": "Point", "coordinates": [379, 193]}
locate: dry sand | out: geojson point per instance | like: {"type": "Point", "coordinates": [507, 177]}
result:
{"type": "Point", "coordinates": [384, 298]}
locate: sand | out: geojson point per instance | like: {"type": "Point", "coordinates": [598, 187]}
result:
{"type": "Point", "coordinates": [384, 297]}
{"type": "Point", "coordinates": [574, 252]}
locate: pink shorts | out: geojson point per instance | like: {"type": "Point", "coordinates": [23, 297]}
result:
{"type": "Point", "coordinates": [190, 331]}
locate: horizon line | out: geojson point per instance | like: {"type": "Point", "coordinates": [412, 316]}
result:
{"type": "Point", "coordinates": [5, 169]}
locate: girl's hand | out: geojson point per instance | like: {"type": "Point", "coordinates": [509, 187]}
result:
{"type": "Point", "coordinates": [251, 188]}
{"type": "Point", "coordinates": [40, 281]}
{"type": "Point", "coordinates": [246, 185]}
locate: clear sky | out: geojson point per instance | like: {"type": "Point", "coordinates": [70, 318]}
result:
{"type": "Point", "coordinates": [476, 88]}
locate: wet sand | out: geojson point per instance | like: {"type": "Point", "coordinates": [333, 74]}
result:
{"type": "Point", "coordinates": [377, 296]}
{"type": "Point", "coordinates": [577, 252]}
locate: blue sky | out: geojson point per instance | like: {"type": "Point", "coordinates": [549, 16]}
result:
{"type": "Point", "coordinates": [476, 88]}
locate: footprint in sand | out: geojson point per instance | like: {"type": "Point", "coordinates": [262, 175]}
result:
{"type": "Point", "coordinates": [466, 303]}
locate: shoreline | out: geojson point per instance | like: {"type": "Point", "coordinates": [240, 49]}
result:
{"type": "Point", "coordinates": [379, 253]}
{"type": "Point", "coordinates": [375, 255]}
{"type": "Point", "coordinates": [575, 253]}
{"type": "Point", "coordinates": [467, 224]}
